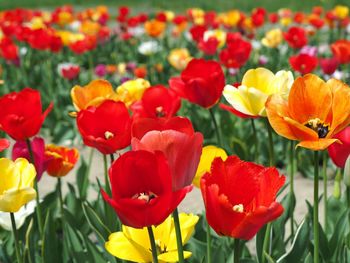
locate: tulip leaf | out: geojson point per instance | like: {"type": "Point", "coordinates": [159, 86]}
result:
{"type": "Point", "coordinates": [95, 222]}
{"type": "Point", "coordinates": [341, 227]}
{"type": "Point", "coordinates": [324, 244]}
{"type": "Point", "coordinates": [50, 243]}
{"type": "Point", "coordinates": [269, 258]}
{"type": "Point", "coordinates": [260, 243]}
{"type": "Point", "coordinates": [299, 245]}
{"type": "Point", "coordinates": [82, 179]}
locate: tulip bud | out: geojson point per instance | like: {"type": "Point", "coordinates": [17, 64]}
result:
{"type": "Point", "coordinates": [337, 185]}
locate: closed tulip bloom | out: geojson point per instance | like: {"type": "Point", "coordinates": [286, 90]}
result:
{"type": "Point", "coordinates": [201, 82]}
{"type": "Point", "coordinates": [339, 152]}
{"type": "Point", "coordinates": [142, 193]}
{"type": "Point", "coordinates": [20, 149]}
{"type": "Point", "coordinates": [106, 127]}
{"type": "Point", "coordinates": [16, 188]}
{"type": "Point", "coordinates": [93, 94]}
{"type": "Point", "coordinates": [133, 244]}
{"type": "Point", "coordinates": [61, 160]}
{"type": "Point", "coordinates": [240, 197]}
{"type": "Point", "coordinates": [21, 113]}
{"type": "Point", "coordinates": [209, 153]}
{"type": "Point", "coordinates": [157, 101]}
{"type": "Point", "coordinates": [174, 137]}
{"type": "Point", "coordinates": [257, 85]}
{"type": "Point", "coordinates": [312, 120]}
{"type": "Point", "coordinates": [272, 38]}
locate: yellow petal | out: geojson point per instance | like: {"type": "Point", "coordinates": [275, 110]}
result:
{"type": "Point", "coordinates": [187, 224]}
{"type": "Point", "coordinates": [209, 153]}
{"type": "Point", "coordinates": [8, 176]}
{"type": "Point", "coordinates": [172, 256]}
{"type": "Point", "coordinates": [121, 247]}
{"type": "Point", "coordinates": [281, 83]}
{"type": "Point", "coordinates": [138, 235]}
{"type": "Point", "coordinates": [13, 199]}
{"type": "Point", "coordinates": [26, 172]}
{"type": "Point", "coordinates": [258, 78]}
{"type": "Point", "coordinates": [238, 98]}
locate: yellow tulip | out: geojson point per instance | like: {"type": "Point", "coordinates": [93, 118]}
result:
{"type": "Point", "coordinates": [272, 38]}
{"type": "Point", "coordinates": [220, 35]}
{"type": "Point", "coordinates": [341, 11]}
{"type": "Point", "coordinates": [93, 94]}
{"type": "Point", "coordinates": [16, 188]}
{"type": "Point", "coordinates": [133, 244]}
{"type": "Point", "coordinates": [257, 85]}
{"type": "Point", "coordinates": [209, 153]}
{"type": "Point", "coordinates": [132, 90]}
{"type": "Point", "coordinates": [179, 58]}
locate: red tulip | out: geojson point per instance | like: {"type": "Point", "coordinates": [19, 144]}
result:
{"type": "Point", "coordinates": [209, 46]}
{"type": "Point", "coordinates": [201, 82]}
{"type": "Point", "coordinates": [340, 152]}
{"type": "Point", "coordinates": [329, 65]}
{"type": "Point", "coordinates": [21, 113]}
{"type": "Point", "coordinates": [240, 197]}
{"type": "Point", "coordinates": [258, 16]}
{"type": "Point", "coordinates": [341, 50]}
{"type": "Point", "coordinates": [174, 137]}
{"type": "Point", "coordinates": [157, 101]}
{"type": "Point", "coordinates": [141, 186]}
{"type": "Point", "coordinates": [106, 127]}
{"type": "Point", "coordinates": [8, 50]}
{"type": "Point", "coordinates": [296, 37]}
{"type": "Point", "coordinates": [236, 54]}
{"type": "Point", "coordinates": [303, 63]}
{"type": "Point", "coordinates": [197, 32]}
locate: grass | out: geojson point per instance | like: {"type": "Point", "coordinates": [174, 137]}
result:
{"type": "Point", "coordinates": [178, 5]}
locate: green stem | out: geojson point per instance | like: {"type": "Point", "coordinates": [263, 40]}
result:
{"type": "Point", "coordinates": [107, 187]}
{"type": "Point", "coordinates": [266, 242]}
{"type": "Point", "coordinates": [59, 186]}
{"type": "Point", "coordinates": [271, 150]}
{"type": "Point", "coordinates": [153, 244]}
{"type": "Point", "coordinates": [208, 244]}
{"type": "Point", "coordinates": [325, 195]}
{"type": "Point", "coordinates": [218, 137]}
{"type": "Point", "coordinates": [15, 234]}
{"type": "Point", "coordinates": [112, 158]}
{"type": "Point", "coordinates": [316, 233]}
{"type": "Point", "coordinates": [178, 236]}
{"type": "Point", "coordinates": [348, 195]}
{"type": "Point", "coordinates": [38, 207]}
{"type": "Point", "coordinates": [291, 163]}
{"type": "Point", "coordinates": [256, 154]}
{"type": "Point", "coordinates": [237, 252]}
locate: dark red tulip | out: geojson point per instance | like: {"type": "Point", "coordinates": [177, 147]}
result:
{"type": "Point", "coordinates": [240, 197]}
{"type": "Point", "coordinates": [303, 63]}
{"type": "Point", "coordinates": [329, 65]}
{"type": "Point", "coordinates": [201, 82]}
{"type": "Point", "coordinates": [296, 37]}
{"type": "Point", "coordinates": [141, 186]}
{"type": "Point", "coordinates": [106, 127]}
{"type": "Point", "coordinates": [339, 152]}
{"type": "Point", "coordinates": [174, 137]}
{"type": "Point", "coordinates": [157, 101]}
{"type": "Point", "coordinates": [21, 113]}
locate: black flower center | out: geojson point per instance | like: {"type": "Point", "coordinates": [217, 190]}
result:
{"type": "Point", "coordinates": [318, 126]}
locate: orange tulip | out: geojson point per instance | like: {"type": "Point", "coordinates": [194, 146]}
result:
{"type": "Point", "coordinates": [93, 94]}
{"type": "Point", "coordinates": [314, 112]}
{"type": "Point", "coordinates": [60, 159]}
{"type": "Point", "coordinates": [154, 28]}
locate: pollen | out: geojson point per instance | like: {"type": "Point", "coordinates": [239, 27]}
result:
{"type": "Point", "coordinates": [160, 111]}
{"type": "Point", "coordinates": [318, 126]}
{"type": "Point", "coordinates": [108, 135]}
{"type": "Point", "coordinates": [145, 196]}
{"type": "Point", "coordinates": [238, 208]}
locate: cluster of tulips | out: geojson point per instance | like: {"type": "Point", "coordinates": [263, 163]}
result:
{"type": "Point", "coordinates": [212, 118]}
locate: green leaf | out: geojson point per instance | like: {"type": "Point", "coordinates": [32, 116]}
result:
{"type": "Point", "coordinates": [340, 229]}
{"type": "Point", "coordinates": [95, 221]}
{"type": "Point", "coordinates": [324, 244]}
{"type": "Point", "coordinates": [82, 179]}
{"type": "Point", "coordinates": [260, 243]}
{"type": "Point", "coordinates": [269, 258]}
{"type": "Point", "coordinates": [50, 243]}
{"type": "Point", "coordinates": [299, 245]}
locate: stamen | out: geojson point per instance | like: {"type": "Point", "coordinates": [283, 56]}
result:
{"type": "Point", "coordinates": [146, 196]}
{"type": "Point", "coordinates": [160, 112]}
{"type": "Point", "coordinates": [319, 127]}
{"type": "Point", "coordinates": [108, 135]}
{"type": "Point", "coordinates": [238, 208]}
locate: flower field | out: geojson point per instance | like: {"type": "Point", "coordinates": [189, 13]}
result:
{"type": "Point", "coordinates": [234, 103]}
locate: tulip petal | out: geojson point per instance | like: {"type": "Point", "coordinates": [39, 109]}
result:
{"type": "Point", "coordinates": [259, 78]}
{"type": "Point", "coordinates": [318, 145]}
{"type": "Point", "coordinates": [173, 256]}
{"type": "Point", "coordinates": [12, 200]}
{"type": "Point", "coordinates": [238, 99]}
{"type": "Point", "coordinates": [309, 98]}
{"type": "Point", "coordinates": [121, 247]}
